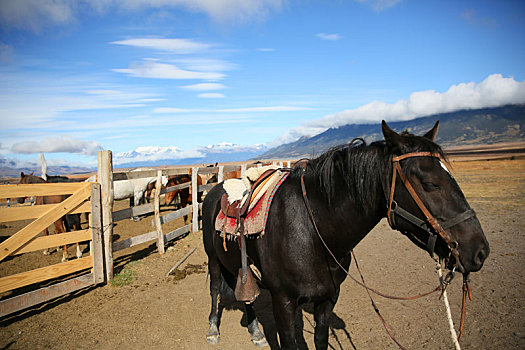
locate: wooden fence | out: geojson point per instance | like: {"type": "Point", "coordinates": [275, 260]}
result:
{"type": "Point", "coordinates": [98, 200]}
{"type": "Point", "coordinates": [84, 198]}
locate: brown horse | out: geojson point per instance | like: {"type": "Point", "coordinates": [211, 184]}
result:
{"type": "Point", "coordinates": [185, 194]}
{"type": "Point", "coordinates": [66, 223]}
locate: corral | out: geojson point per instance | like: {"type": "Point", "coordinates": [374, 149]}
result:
{"type": "Point", "coordinates": [149, 310]}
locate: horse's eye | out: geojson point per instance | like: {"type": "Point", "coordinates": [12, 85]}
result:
{"type": "Point", "coordinates": [429, 186]}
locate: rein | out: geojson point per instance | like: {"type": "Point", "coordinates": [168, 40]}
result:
{"type": "Point", "coordinates": [433, 222]}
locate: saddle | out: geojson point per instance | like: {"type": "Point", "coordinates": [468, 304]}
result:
{"type": "Point", "coordinates": [239, 208]}
{"type": "Point", "coordinates": [251, 206]}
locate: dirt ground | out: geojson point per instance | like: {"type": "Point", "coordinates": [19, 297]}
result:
{"type": "Point", "coordinates": [151, 311]}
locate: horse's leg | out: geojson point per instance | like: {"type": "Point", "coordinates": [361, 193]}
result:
{"type": "Point", "coordinates": [77, 227]}
{"type": "Point", "coordinates": [136, 197]}
{"type": "Point", "coordinates": [253, 327]}
{"type": "Point", "coordinates": [59, 228]}
{"type": "Point", "coordinates": [215, 283]}
{"type": "Point", "coordinates": [322, 312]}
{"type": "Point", "coordinates": [45, 233]}
{"type": "Point", "coordinates": [284, 314]}
{"type": "Point", "coordinates": [184, 201]}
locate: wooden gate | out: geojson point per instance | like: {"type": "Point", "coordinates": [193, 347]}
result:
{"type": "Point", "coordinates": [84, 198]}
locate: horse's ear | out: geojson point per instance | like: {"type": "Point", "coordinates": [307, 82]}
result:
{"type": "Point", "coordinates": [432, 133]}
{"type": "Point", "coordinates": [392, 138]}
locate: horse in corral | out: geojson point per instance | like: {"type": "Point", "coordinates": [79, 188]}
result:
{"type": "Point", "coordinates": [132, 188]}
{"type": "Point", "coordinates": [185, 194]}
{"type": "Point", "coordinates": [325, 208]}
{"type": "Point", "coordinates": [69, 222]}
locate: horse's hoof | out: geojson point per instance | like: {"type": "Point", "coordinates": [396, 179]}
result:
{"type": "Point", "coordinates": [46, 252]}
{"type": "Point", "coordinates": [260, 342]}
{"type": "Point", "coordinates": [212, 339]}
{"type": "Point", "coordinates": [65, 258]}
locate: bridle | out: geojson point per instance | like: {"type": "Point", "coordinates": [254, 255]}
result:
{"type": "Point", "coordinates": [430, 224]}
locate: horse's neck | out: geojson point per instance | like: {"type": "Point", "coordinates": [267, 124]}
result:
{"type": "Point", "coordinates": [351, 219]}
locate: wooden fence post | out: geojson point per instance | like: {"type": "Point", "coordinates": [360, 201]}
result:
{"type": "Point", "coordinates": [44, 166]}
{"type": "Point", "coordinates": [97, 249]}
{"type": "Point", "coordinates": [158, 225]}
{"type": "Point", "coordinates": [220, 176]}
{"type": "Point", "coordinates": [243, 169]}
{"type": "Point", "coordinates": [105, 178]}
{"type": "Point", "coordinates": [195, 204]}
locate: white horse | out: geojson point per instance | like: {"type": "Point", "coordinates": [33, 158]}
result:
{"type": "Point", "coordinates": [133, 188]}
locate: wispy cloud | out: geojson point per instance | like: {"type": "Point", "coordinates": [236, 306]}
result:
{"type": "Point", "coordinates": [37, 15]}
{"type": "Point", "coordinates": [329, 37]}
{"type": "Point", "coordinates": [205, 87]}
{"type": "Point", "coordinates": [494, 91]}
{"type": "Point", "coordinates": [38, 100]}
{"type": "Point", "coordinates": [58, 144]}
{"type": "Point", "coordinates": [178, 46]}
{"type": "Point", "coordinates": [159, 70]}
{"type": "Point", "coordinates": [205, 64]}
{"type": "Point", "coordinates": [211, 95]}
{"type": "Point", "coordinates": [234, 110]}
{"type": "Point", "coordinates": [265, 49]}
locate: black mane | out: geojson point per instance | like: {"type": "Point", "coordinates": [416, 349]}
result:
{"type": "Point", "coordinates": [360, 167]}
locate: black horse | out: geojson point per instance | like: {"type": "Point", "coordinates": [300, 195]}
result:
{"type": "Point", "coordinates": [348, 190]}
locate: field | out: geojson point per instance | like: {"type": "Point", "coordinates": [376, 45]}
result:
{"type": "Point", "coordinates": [144, 309]}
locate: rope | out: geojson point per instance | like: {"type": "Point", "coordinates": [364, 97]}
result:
{"type": "Point", "coordinates": [453, 334]}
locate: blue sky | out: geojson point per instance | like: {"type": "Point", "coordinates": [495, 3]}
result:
{"type": "Point", "coordinates": [152, 79]}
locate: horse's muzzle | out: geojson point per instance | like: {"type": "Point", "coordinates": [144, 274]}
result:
{"type": "Point", "coordinates": [479, 258]}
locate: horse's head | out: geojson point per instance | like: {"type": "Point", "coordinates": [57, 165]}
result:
{"type": "Point", "coordinates": [426, 203]}
{"type": "Point", "coordinates": [26, 179]}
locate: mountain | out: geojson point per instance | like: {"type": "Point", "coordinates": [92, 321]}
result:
{"type": "Point", "coordinates": [158, 156]}
{"type": "Point", "coordinates": [14, 172]}
{"type": "Point", "coordinates": [465, 127]}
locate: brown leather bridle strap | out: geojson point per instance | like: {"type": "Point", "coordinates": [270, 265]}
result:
{"type": "Point", "coordinates": [397, 170]}
{"type": "Point", "coordinates": [429, 217]}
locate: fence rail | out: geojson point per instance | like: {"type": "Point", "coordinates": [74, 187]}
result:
{"type": "Point", "coordinates": [84, 197]}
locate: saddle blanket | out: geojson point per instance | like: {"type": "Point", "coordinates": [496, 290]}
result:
{"type": "Point", "coordinates": [259, 207]}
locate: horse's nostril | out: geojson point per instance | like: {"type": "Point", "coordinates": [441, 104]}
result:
{"type": "Point", "coordinates": [482, 255]}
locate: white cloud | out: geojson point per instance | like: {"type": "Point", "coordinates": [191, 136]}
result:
{"type": "Point", "coordinates": [158, 70]}
{"type": "Point", "coordinates": [58, 144]}
{"type": "Point", "coordinates": [494, 91]}
{"type": "Point", "coordinates": [211, 95]}
{"type": "Point", "coordinates": [36, 15]}
{"type": "Point", "coordinates": [233, 110]}
{"type": "Point", "coordinates": [206, 64]}
{"type": "Point", "coordinates": [178, 46]}
{"type": "Point", "coordinates": [205, 87]}
{"type": "Point", "coordinates": [265, 49]}
{"type": "Point", "coordinates": [43, 100]}
{"type": "Point", "coordinates": [103, 92]}
{"type": "Point", "coordinates": [330, 37]}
